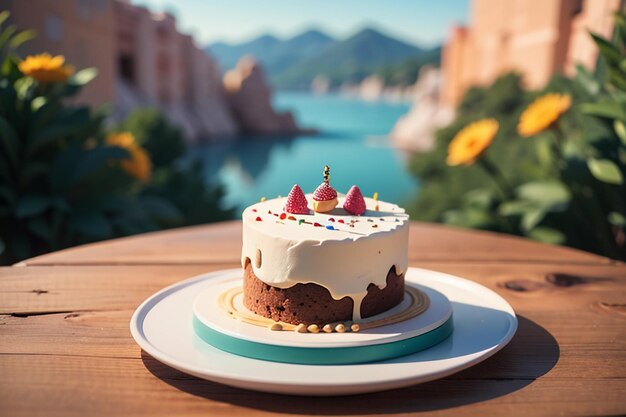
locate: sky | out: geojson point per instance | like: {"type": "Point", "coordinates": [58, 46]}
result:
{"type": "Point", "coordinates": [421, 22]}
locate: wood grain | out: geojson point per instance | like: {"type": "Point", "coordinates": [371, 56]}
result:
{"type": "Point", "coordinates": [66, 349]}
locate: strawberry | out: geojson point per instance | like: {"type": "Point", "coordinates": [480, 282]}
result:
{"type": "Point", "coordinates": [324, 192]}
{"type": "Point", "coordinates": [296, 201]}
{"type": "Point", "coordinates": [354, 204]}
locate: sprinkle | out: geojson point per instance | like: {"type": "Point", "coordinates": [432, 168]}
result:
{"type": "Point", "coordinates": [376, 208]}
{"type": "Point", "coordinates": [275, 214]}
{"type": "Point", "coordinates": [258, 219]}
{"type": "Point", "coordinates": [331, 219]}
{"type": "Point", "coordinates": [341, 221]}
{"type": "Point", "coordinates": [375, 196]}
{"type": "Point", "coordinates": [397, 220]}
{"type": "Point", "coordinates": [263, 199]}
{"type": "Point", "coordinates": [329, 227]}
{"type": "Point", "coordinates": [382, 220]}
{"type": "Point", "coordinates": [370, 220]}
{"type": "Point", "coordinates": [374, 225]}
{"type": "Point", "coordinates": [352, 225]}
{"type": "Point", "coordinates": [283, 216]}
{"type": "Point", "coordinates": [291, 218]}
{"type": "Point", "coordinates": [300, 221]}
{"type": "Point", "coordinates": [254, 210]}
{"type": "Point", "coordinates": [317, 225]}
{"type": "Point", "coordinates": [269, 212]}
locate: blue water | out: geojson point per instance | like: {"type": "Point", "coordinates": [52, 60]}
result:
{"type": "Point", "coordinates": [352, 141]}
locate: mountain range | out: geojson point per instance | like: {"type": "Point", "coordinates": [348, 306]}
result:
{"type": "Point", "coordinates": [294, 63]}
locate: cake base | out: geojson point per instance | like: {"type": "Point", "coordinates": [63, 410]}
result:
{"type": "Point", "coordinates": [312, 303]}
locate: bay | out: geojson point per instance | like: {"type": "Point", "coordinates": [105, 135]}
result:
{"type": "Point", "coordinates": [352, 140]}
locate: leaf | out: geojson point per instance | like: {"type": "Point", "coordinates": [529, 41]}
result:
{"type": "Point", "coordinates": [533, 217]}
{"type": "Point", "coordinates": [9, 140]}
{"type": "Point", "coordinates": [161, 210]}
{"type": "Point", "coordinates": [95, 158]}
{"type": "Point", "coordinates": [586, 79]}
{"type": "Point", "coordinates": [547, 235]}
{"type": "Point", "coordinates": [616, 219]}
{"type": "Point", "coordinates": [620, 130]}
{"type": "Point", "coordinates": [606, 109]}
{"type": "Point", "coordinates": [6, 35]}
{"type": "Point", "coordinates": [91, 224]}
{"type": "Point", "coordinates": [40, 228]}
{"type": "Point", "coordinates": [481, 198]}
{"type": "Point", "coordinates": [31, 205]}
{"type": "Point", "coordinates": [21, 38]}
{"type": "Point", "coordinates": [84, 76]}
{"type": "Point", "coordinates": [468, 217]}
{"type": "Point", "coordinates": [548, 193]}
{"type": "Point", "coordinates": [4, 15]}
{"type": "Point", "coordinates": [517, 207]}
{"type": "Point", "coordinates": [605, 170]}
{"type": "Point", "coordinates": [607, 49]}
{"type": "Point", "coordinates": [70, 123]}
{"type": "Point", "coordinates": [63, 167]}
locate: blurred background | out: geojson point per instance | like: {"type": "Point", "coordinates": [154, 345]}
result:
{"type": "Point", "coordinates": [120, 117]}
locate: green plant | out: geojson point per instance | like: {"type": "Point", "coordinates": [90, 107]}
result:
{"type": "Point", "coordinates": [164, 142]}
{"type": "Point", "coordinates": [563, 182]}
{"type": "Point", "coordinates": [184, 186]}
{"type": "Point", "coordinates": [63, 180]}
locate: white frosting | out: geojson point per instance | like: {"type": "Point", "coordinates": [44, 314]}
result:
{"type": "Point", "coordinates": [345, 260]}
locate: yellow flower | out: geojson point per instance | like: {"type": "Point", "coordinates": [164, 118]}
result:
{"type": "Point", "coordinates": [471, 142]}
{"type": "Point", "coordinates": [139, 164]}
{"type": "Point", "coordinates": [46, 68]}
{"type": "Point", "coordinates": [542, 113]}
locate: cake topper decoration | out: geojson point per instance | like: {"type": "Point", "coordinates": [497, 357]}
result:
{"type": "Point", "coordinates": [355, 203]}
{"type": "Point", "coordinates": [296, 201]}
{"type": "Point", "coordinates": [325, 197]}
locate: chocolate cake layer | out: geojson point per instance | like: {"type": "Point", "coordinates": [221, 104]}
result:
{"type": "Point", "coordinates": [312, 303]}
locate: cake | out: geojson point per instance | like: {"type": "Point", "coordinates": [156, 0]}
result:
{"type": "Point", "coordinates": [315, 268]}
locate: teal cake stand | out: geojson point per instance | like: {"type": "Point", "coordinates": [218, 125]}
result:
{"type": "Point", "coordinates": [216, 327]}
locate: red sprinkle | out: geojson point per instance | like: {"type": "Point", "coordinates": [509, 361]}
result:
{"type": "Point", "coordinates": [331, 219]}
{"type": "Point", "coordinates": [269, 212]}
{"type": "Point", "coordinates": [283, 216]}
{"type": "Point", "coordinates": [340, 221]}
{"type": "Point", "coordinates": [254, 210]}
{"type": "Point", "coordinates": [291, 218]}
{"type": "Point", "coordinates": [317, 225]}
{"type": "Point", "coordinates": [258, 219]}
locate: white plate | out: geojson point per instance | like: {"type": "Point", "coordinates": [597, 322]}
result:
{"type": "Point", "coordinates": [483, 324]}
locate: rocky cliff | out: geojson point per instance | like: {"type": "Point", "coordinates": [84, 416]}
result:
{"type": "Point", "coordinates": [415, 131]}
{"type": "Point", "coordinates": [249, 98]}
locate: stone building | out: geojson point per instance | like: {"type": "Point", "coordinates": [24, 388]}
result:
{"type": "Point", "coordinates": [533, 37]}
{"type": "Point", "coordinates": [144, 61]}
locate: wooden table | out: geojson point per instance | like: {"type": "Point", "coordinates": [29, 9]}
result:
{"type": "Point", "coordinates": [66, 349]}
